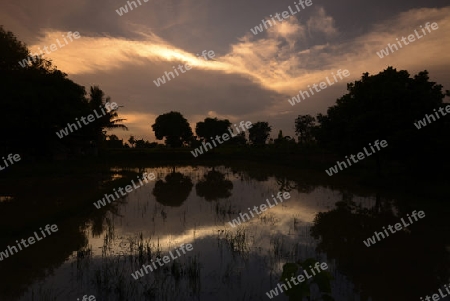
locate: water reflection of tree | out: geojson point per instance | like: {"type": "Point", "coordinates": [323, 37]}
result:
{"type": "Point", "coordinates": [174, 191]}
{"type": "Point", "coordinates": [247, 175]}
{"type": "Point", "coordinates": [214, 186]}
{"type": "Point", "coordinates": [403, 266]}
{"type": "Point", "coordinates": [285, 179]}
{"type": "Point", "coordinates": [288, 184]}
{"type": "Point", "coordinates": [285, 183]}
{"type": "Point", "coordinates": [47, 201]}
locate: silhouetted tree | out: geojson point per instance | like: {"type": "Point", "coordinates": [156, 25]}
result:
{"type": "Point", "coordinates": [385, 107]}
{"type": "Point", "coordinates": [304, 128]}
{"type": "Point", "coordinates": [239, 139]}
{"type": "Point", "coordinates": [12, 51]}
{"type": "Point", "coordinates": [174, 128]}
{"type": "Point", "coordinates": [110, 120]}
{"type": "Point", "coordinates": [132, 141]}
{"type": "Point", "coordinates": [211, 127]}
{"type": "Point", "coordinates": [280, 138]}
{"type": "Point", "coordinates": [141, 143]}
{"type": "Point", "coordinates": [40, 101]}
{"type": "Point", "coordinates": [259, 133]}
{"type": "Point", "coordinates": [36, 99]}
{"type": "Point", "coordinates": [114, 142]}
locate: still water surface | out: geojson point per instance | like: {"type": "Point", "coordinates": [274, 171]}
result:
{"type": "Point", "coordinates": [194, 205]}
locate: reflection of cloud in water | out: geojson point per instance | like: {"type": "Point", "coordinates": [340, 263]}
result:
{"type": "Point", "coordinates": [251, 255]}
{"type": "Point", "coordinates": [194, 218]}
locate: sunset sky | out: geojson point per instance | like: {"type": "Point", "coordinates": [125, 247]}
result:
{"type": "Point", "coordinates": [252, 76]}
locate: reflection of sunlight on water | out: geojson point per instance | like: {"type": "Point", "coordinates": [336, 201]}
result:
{"type": "Point", "coordinates": [279, 235]}
{"type": "Point", "coordinates": [243, 260]}
{"type": "Point", "coordinates": [116, 176]}
{"type": "Point", "coordinates": [6, 198]}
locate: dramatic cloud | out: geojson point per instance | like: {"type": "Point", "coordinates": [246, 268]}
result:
{"type": "Point", "coordinates": [250, 78]}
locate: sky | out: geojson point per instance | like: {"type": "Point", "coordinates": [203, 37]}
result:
{"type": "Point", "coordinates": [251, 77]}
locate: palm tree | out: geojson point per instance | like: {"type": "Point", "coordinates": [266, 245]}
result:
{"type": "Point", "coordinates": [109, 121]}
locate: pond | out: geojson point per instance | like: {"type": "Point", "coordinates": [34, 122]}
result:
{"type": "Point", "coordinates": [180, 227]}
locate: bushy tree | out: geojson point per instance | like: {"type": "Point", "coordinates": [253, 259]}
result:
{"type": "Point", "coordinates": [211, 127]}
{"type": "Point", "coordinates": [114, 142]}
{"type": "Point", "coordinates": [385, 107]}
{"type": "Point", "coordinates": [11, 52]}
{"type": "Point", "coordinates": [38, 100]}
{"type": "Point", "coordinates": [304, 128]}
{"type": "Point", "coordinates": [259, 133]}
{"type": "Point", "coordinates": [239, 139]}
{"type": "Point", "coordinates": [141, 143]}
{"type": "Point", "coordinates": [35, 100]}
{"type": "Point", "coordinates": [174, 128]}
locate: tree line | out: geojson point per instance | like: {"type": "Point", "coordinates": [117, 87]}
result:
{"type": "Point", "coordinates": [174, 129]}
{"type": "Point", "coordinates": [385, 106]}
